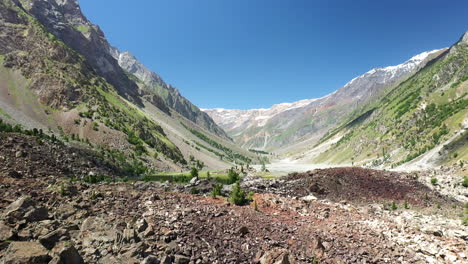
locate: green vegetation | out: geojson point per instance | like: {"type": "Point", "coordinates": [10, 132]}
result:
{"type": "Point", "coordinates": [434, 181]}
{"type": "Point", "coordinates": [465, 215]}
{"type": "Point", "coordinates": [228, 153]}
{"type": "Point", "coordinates": [183, 178]}
{"type": "Point", "coordinates": [411, 119]}
{"type": "Point", "coordinates": [5, 114]}
{"type": "Point", "coordinates": [216, 190]}
{"type": "Point", "coordinates": [233, 176]}
{"type": "Point", "coordinates": [394, 206]}
{"type": "Point", "coordinates": [194, 172]}
{"type": "Point", "coordinates": [259, 152]}
{"type": "Point", "coordinates": [465, 181]}
{"type": "Point", "coordinates": [93, 179]}
{"type": "Point", "coordinates": [6, 127]}
{"type": "Point", "coordinates": [238, 196]}
{"type": "Point", "coordinates": [83, 29]}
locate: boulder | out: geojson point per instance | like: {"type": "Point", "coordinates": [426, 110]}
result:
{"type": "Point", "coordinates": [179, 259]}
{"type": "Point", "coordinates": [277, 256]}
{"type": "Point", "coordinates": [6, 232]}
{"type": "Point", "coordinates": [36, 214]}
{"type": "Point", "coordinates": [150, 260]}
{"type": "Point", "coordinates": [66, 253]}
{"type": "Point", "coordinates": [27, 253]}
{"type": "Point", "coordinates": [129, 236]}
{"type": "Point", "coordinates": [49, 240]}
{"type": "Point", "coordinates": [25, 208]}
{"type": "Point", "coordinates": [194, 181]}
{"type": "Point", "coordinates": [18, 208]}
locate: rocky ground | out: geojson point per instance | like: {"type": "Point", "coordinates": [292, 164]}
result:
{"type": "Point", "coordinates": [302, 218]}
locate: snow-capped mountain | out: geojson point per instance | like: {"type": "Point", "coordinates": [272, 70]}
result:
{"type": "Point", "coordinates": [287, 123]}
{"type": "Point", "coordinates": [231, 118]}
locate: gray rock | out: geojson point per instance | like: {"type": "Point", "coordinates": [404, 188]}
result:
{"type": "Point", "coordinates": [26, 252]}
{"type": "Point", "coordinates": [129, 236]}
{"type": "Point", "coordinates": [194, 181]}
{"type": "Point", "coordinates": [276, 256]}
{"type": "Point", "coordinates": [37, 214]}
{"type": "Point", "coordinates": [150, 260]}
{"type": "Point", "coordinates": [66, 253]}
{"type": "Point", "coordinates": [166, 260]}
{"type": "Point", "coordinates": [6, 232]}
{"type": "Point", "coordinates": [141, 225]}
{"type": "Point", "coordinates": [18, 208]}
{"type": "Point", "coordinates": [179, 259]}
{"type": "Point", "coordinates": [49, 240]}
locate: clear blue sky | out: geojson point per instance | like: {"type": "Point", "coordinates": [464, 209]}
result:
{"type": "Point", "coordinates": [254, 53]}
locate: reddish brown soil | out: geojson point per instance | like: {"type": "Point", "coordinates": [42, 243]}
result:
{"type": "Point", "coordinates": [363, 185]}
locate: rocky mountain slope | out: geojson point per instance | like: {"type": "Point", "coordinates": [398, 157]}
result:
{"type": "Point", "coordinates": [307, 120]}
{"type": "Point", "coordinates": [152, 83]}
{"type": "Point", "coordinates": [58, 74]}
{"type": "Point", "coordinates": [340, 215]}
{"type": "Point", "coordinates": [424, 119]}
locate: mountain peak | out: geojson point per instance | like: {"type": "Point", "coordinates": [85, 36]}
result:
{"type": "Point", "coordinates": [464, 39]}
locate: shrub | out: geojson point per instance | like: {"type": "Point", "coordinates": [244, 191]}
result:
{"type": "Point", "coordinates": [233, 176]}
{"type": "Point", "coordinates": [434, 181]}
{"type": "Point", "coordinates": [237, 195]}
{"type": "Point", "coordinates": [406, 206]}
{"type": "Point", "coordinates": [194, 172]}
{"type": "Point", "coordinates": [394, 206]}
{"type": "Point", "coordinates": [216, 190]}
{"type": "Point", "coordinates": [465, 181]}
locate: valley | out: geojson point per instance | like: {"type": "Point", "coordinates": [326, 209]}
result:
{"type": "Point", "coordinates": [103, 161]}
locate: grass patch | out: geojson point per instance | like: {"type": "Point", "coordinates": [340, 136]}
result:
{"type": "Point", "coordinates": [83, 29]}
{"type": "Point", "coordinates": [185, 177]}
{"type": "Point", "coordinates": [5, 114]}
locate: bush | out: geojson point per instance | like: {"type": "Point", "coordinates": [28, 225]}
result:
{"type": "Point", "coordinates": [434, 181]}
{"type": "Point", "coordinates": [216, 190]}
{"type": "Point", "coordinates": [233, 176]}
{"type": "Point", "coordinates": [465, 181]}
{"type": "Point", "coordinates": [394, 206]}
{"type": "Point", "coordinates": [238, 196]}
{"type": "Point", "coordinates": [194, 172]}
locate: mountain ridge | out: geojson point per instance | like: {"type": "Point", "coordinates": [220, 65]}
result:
{"type": "Point", "coordinates": [263, 125]}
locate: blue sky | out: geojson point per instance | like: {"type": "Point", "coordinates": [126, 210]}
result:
{"type": "Point", "coordinates": [254, 53]}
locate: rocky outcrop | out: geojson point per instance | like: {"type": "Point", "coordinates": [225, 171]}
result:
{"type": "Point", "coordinates": [65, 20]}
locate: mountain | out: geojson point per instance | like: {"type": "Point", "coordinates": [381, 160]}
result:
{"type": "Point", "coordinates": [421, 123]}
{"type": "Point", "coordinates": [58, 73]}
{"type": "Point", "coordinates": [286, 124]}
{"type": "Point", "coordinates": [154, 84]}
